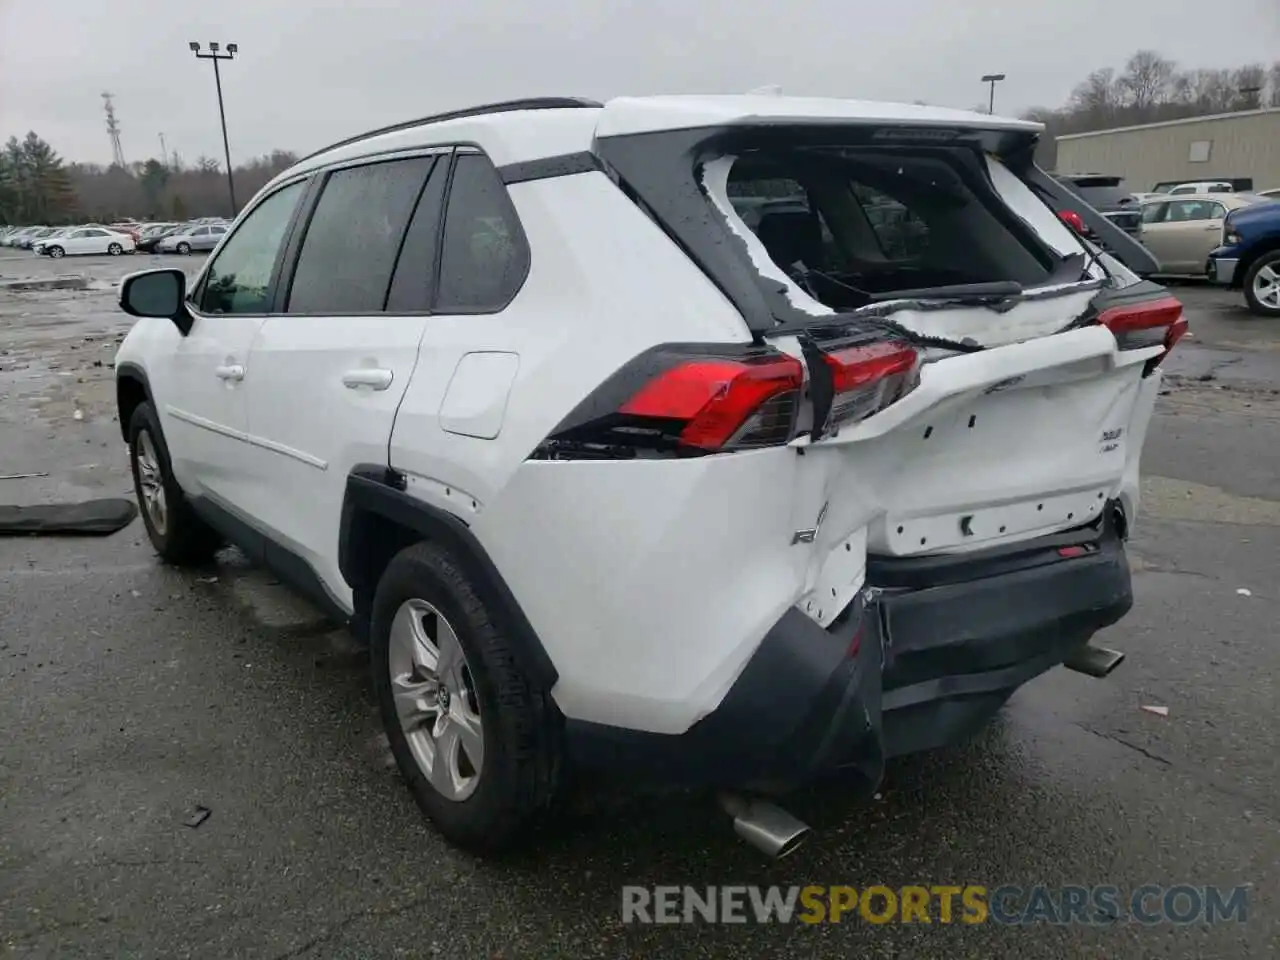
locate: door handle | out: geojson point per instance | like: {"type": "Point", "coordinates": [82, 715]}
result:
{"type": "Point", "coordinates": [230, 371]}
{"type": "Point", "coordinates": [373, 377]}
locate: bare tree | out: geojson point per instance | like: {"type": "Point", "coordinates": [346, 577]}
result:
{"type": "Point", "coordinates": [1096, 98]}
{"type": "Point", "coordinates": [1213, 91]}
{"type": "Point", "coordinates": [1249, 81]}
{"type": "Point", "coordinates": [1146, 79]}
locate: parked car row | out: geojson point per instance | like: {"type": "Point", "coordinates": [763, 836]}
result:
{"type": "Point", "coordinates": [117, 238]}
{"type": "Point", "coordinates": [1215, 228]}
{"type": "Point", "coordinates": [56, 242]}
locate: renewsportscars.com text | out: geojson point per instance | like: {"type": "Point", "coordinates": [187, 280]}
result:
{"type": "Point", "coordinates": [936, 903]}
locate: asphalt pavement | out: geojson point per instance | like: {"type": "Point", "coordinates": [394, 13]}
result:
{"type": "Point", "coordinates": [133, 695]}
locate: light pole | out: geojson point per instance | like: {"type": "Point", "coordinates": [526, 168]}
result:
{"type": "Point", "coordinates": [215, 56]}
{"type": "Point", "coordinates": [993, 79]}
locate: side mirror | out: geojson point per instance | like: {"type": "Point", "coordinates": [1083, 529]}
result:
{"type": "Point", "coordinates": [157, 293]}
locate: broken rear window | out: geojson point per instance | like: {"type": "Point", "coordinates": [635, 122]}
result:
{"type": "Point", "coordinates": [851, 224]}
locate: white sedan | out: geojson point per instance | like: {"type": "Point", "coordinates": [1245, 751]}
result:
{"type": "Point", "coordinates": [90, 240]}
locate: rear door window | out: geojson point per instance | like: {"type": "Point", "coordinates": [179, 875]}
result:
{"type": "Point", "coordinates": [413, 285]}
{"type": "Point", "coordinates": [1183, 210]}
{"type": "Point", "coordinates": [350, 247]}
{"type": "Point", "coordinates": [1155, 212]}
{"type": "Point", "coordinates": [485, 257]}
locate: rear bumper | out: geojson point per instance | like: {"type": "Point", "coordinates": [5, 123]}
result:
{"type": "Point", "coordinates": [921, 660]}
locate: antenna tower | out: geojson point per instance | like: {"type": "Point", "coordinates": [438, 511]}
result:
{"type": "Point", "coordinates": [113, 130]}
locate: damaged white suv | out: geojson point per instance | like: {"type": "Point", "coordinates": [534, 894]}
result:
{"type": "Point", "coordinates": [728, 440]}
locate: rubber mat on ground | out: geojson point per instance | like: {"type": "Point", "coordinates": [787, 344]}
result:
{"type": "Point", "coordinates": [90, 518]}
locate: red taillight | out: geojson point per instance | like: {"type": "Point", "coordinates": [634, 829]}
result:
{"type": "Point", "coordinates": [1152, 324]}
{"type": "Point", "coordinates": [868, 378]}
{"type": "Point", "coordinates": [1073, 220]}
{"type": "Point", "coordinates": [723, 403]}
{"type": "Point", "coordinates": [688, 399]}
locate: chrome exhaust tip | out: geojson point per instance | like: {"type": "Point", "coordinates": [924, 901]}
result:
{"type": "Point", "coordinates": [1093, 661]}
{"type": "Point", "coordinates": [768, 828]}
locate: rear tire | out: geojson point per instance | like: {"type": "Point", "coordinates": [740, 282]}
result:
{"type": "Point", "coordinates": [424, 600]}
{"type": "Point", "coordinates": [115, 249]}
{"type": "Point", "coordinates": [1262, 285]}
{"type": "Point", "coordinates": [179, 536]}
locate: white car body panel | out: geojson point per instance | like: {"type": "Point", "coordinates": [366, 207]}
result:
{"type": "Point", "coordinates": [628, 115]}
{"type": "Point", "coordinates": [619, 269]}
{"type": "Point", "coordinates": [299, 368]}
{"type": "Point", "coordinates": [202, 413]}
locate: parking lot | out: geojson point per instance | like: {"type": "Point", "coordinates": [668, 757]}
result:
{"type": "Point", "coordinates": [131, 694]}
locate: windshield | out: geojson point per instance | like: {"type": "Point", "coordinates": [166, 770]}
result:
{"type": "Point", "coordinates": [850, 226]}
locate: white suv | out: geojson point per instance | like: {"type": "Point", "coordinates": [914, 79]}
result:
{"type": "Point", "coordinates": [610, 479]}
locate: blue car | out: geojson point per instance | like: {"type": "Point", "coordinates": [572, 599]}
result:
{"type": "Point", "coordinates": [1249, 258]}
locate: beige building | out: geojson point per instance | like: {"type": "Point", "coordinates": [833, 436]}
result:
{"type": "Point", "coordinates": [1221, 146]}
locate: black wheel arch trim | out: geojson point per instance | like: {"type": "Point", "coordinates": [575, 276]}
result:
{"type": "Point", "coordinates": [375, 489]}
{"type": "Point", "coordinates": [131, 371]}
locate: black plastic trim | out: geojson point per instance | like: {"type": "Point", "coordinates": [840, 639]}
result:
{"type": "Point", "coordinates": [374, 489]}
{"type": "Point", "coordinates": [287, 265]}
{"type": "Point", "coordinates": [1115, 240]}
{"type": "Point", "coordinates": [545, 168]}
{"type": "Point", "coordinates": [265, 550]}
{"type": "Point", "coordinates": [506, 106]}
{"type": "Point", "coordinates": [130, 371]}
{"type": "Point", "coordinates": [802, 705]}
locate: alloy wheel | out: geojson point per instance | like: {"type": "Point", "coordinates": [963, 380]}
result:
{"type": "Point", "coordinates": [151, 483]}
{"type": "Point", "coordinates": [435, 698]}
{"type": "Point", "coordinates": [1266, 286]}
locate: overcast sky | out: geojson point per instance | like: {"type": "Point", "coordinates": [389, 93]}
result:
{"type": "Point", "coordinates": [313, 71]}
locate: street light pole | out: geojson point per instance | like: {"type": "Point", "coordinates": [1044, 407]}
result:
{"type": "Point", "coordinates": [215, 56]}
{"type": "Point", "coordinates": [993, 79]}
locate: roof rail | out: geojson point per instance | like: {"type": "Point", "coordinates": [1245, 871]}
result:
{"type": "Point", "coordinates": [505, 106]}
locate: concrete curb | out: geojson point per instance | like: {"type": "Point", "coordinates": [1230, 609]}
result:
{"type": "Point", "coordinates": [46, 283]}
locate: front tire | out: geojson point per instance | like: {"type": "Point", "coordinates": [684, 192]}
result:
{"type": "Point", "coordinates": [56, 252]}
{"type": "Point", "coordinates": [179, 536]}
{"type": "Point", "coordinates": [1262, 285]}
{"type": "Point", "coordinates": [115, 249]}
{"type": "Point", "coordinates": [184, 248]}
{"type": "Point", "coordinates": [477, 742]}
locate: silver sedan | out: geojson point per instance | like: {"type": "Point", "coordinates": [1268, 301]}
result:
{"type": "Point", "coordinates": [203, 237]}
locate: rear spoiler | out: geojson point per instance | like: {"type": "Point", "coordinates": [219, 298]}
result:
{"type": "Point", "coordinates": [1118, 243]}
